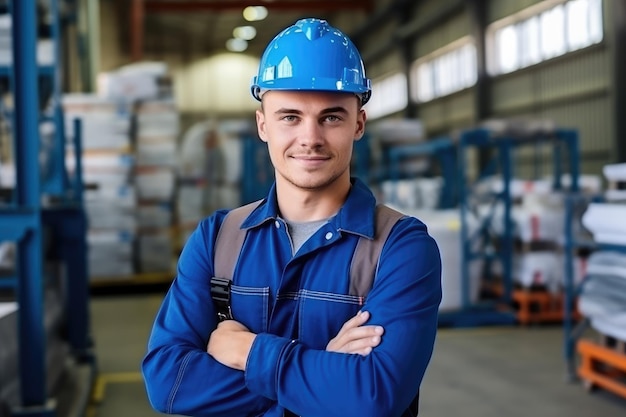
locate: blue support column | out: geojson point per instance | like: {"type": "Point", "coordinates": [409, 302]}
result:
{"type": "Point", "coordinates": [506, 250]}
{"type": "Point", "coordinates": [568, 345]}
{"type": "Point", "coordinates": [68, 225]}
{"type": "Point", "coordinates": [30, 257]}
{"type": "Point", "coordinates": [56, 180]}
{"type": "Point", "coordinates": [77, 184]}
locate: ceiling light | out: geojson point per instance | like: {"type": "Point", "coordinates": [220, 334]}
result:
{"type": "Point", "coordinates": [254, 13]}
{"type": "Point", "coordinates": [244, 32]}
{"type": "Point", "coordinates": [236, 45]}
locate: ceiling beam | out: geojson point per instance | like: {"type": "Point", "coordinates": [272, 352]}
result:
{"type": "Point", "coordinates": [136, 32]}
{"type": "Point", "coordinates": [172, 6]}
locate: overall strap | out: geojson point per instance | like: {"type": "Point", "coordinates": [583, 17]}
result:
{"type": "Point", "coordinates": [228, 245]}
{"type": "Point", "coordinates": [230, 239]}
{"type": "Point", "coordinates": [364, 266]}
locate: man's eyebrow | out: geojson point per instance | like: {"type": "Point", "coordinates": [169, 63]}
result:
{"type": "Point", "coordinates": [284, 110]}
{"type": "Point", "coordinates": [337, 109]}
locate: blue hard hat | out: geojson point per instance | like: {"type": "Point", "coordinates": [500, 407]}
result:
{"type": "Point", "coordinates": [312, 56]}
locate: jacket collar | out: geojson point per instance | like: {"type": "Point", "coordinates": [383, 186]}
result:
{"type": "Point", "coordinates": [355, 216]}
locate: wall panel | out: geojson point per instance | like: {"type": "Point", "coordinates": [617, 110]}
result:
{"type": "Point", "coordinates": [390, 63]}
{"type": "Point", "coordinates": [446, 114]}
{"type": "Point", "coordinates": [498, 9]}
{"type": "Point", "coordinates": [444, 34]}
{"type": "Point", "coordinates": [512, 94]}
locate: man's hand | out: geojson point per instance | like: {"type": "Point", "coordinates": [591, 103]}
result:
{"type": "Point", "coordinates": [230, 344]}
{"type": "Point", "coordinates": [356, 338]}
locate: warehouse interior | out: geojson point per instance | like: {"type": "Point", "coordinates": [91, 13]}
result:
{"type": "Point", "coordinates": [499, 123]}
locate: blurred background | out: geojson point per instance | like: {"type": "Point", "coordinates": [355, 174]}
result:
{"type": "Point", "coordinates": [499, 123]}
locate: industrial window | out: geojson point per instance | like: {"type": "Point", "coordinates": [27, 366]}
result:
{"type": "Point", "coordinates": [444, 71]}
{"type": "Point", "coordinates": [389, 95]}
{"type": "Point", "coordinates": [547, 30]}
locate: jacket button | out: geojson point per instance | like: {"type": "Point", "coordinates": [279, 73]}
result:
{"type": "Point", "coordinates": [329, 235]}
{"type": "Point", "coordinates": [277, 224]}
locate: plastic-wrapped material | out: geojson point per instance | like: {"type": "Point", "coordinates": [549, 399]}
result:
{"type": "Point", "coordinates": [615, 172]}
{"type": "Point", "coordinates": [445, 227]}
{"type": "Point", "coordinates": [606, 222]}
{"type": "Point", "coordinates": [603, 294]}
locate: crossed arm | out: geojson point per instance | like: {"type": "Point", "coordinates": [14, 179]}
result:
{"type": "Point", "coordinates": [182, 379]}
{"type": "Point", "coordinates": [231, 341]}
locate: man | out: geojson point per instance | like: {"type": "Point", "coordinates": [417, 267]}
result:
{"type": "Point", "coordinates": [299, 343]}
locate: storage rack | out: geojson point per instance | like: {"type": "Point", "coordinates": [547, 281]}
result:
{"type": "Point", "coordinates": [483, 244]}
{"type": "Point", "coordinates": [443, 150]}
{"type": "Point", "coordinates": [23, 220]}
{"type": "Point", "coordinates": [591, 353]}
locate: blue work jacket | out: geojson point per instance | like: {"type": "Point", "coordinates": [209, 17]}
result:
{"type": "Point", "coordinates": [296, 304]}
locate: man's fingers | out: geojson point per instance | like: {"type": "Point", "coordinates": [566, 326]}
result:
{"type": "Point", "coordinates": [362, 346]}
{"type": "Point", "coordinates": [356, 339]}
{"type": "Point", "coordinates": [362, 332]}
{"type": "Point", "coordinates": [356, 321]}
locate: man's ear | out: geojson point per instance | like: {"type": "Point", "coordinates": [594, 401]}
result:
{"type": "Point", "coordinates": [360, 125]}
{"type": "Point", "coordinates": [260, 125]}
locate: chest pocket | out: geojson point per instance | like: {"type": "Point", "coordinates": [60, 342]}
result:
{"type": "Point", "coordinates": [250, 307]}
{"type": "Point", "coordinates": [321, 315]}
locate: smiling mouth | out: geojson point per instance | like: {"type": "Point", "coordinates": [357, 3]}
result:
{"type": "Point", "coordinates": [310, 157]}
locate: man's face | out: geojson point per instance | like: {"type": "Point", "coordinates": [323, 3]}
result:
{"type": "Point", "coordinates": [310, 136]}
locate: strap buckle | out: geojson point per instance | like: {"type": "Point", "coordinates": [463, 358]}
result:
{"type": "Point", "coordinates": [220, 293]}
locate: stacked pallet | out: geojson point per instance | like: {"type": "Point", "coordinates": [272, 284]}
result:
{"type": "Point", "coordinates": [110, 195]}
{"type": "Point", "coordinates": [156, 135]}
{"type": "Point", "coordinates": [602, 297]}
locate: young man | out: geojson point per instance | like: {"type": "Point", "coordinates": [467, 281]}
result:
{"type": "Point", "coordinates": [299, 341]}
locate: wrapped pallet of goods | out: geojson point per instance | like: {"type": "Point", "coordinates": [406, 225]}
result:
{"type": "Point", "coordinates": [110, 195]}
{"type": "Point", "coordinates": [602, 299]}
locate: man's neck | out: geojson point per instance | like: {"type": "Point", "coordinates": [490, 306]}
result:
{"type": "Point", "coordinates": [299, 205]}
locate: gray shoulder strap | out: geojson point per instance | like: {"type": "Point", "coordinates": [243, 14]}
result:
{"type": "Point", "coordinates": [364, 261]}
{"type": "Point", "coordinates": [230, 239]}
{"type": "Point", "coordinates": [364, 265]}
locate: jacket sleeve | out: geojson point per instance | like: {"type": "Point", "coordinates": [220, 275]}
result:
{"type": "Point", "coordinates": [404, 300]}
{"type": "Point", "coordinates": [180, 376]}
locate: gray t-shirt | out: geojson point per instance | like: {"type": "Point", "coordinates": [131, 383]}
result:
{"type": "Point", "coordinates": [300, 232]}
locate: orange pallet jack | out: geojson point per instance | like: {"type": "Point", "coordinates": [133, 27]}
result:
{"type": "Point", "coordinates": [603, 365]}
{"type": "Point", "coordinates": [539, 306]}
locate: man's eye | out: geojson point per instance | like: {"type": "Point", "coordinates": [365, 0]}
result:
{"type": "Point", "coordinates": [332, 118]}
{"type": "Point", "coordinates": [290, 118]}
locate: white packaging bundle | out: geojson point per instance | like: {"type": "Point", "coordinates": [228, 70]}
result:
{"type": "Point", "coordinates": [157, 215]}
{"type": "Point", "coordinates": [445, 227]}
{"type": "Point", "coordinates": [110, 254]}
{"type": "Point", "coordinates": [155, 252]}
{"type": "Point", "coordinates": [158, 123]}
{"type": "Point", "coordinates": [606, 222]}
{"type": "Point", "coordinates": [157, 152]}
{"type": "Point", "coordinates": [155, 183]}
{"type": "Point", "coordinates": [538, 268]}
{"type": "Point", "coordinates": [190, 202]}
{"type": "Point", "coordinates": [615, 172]}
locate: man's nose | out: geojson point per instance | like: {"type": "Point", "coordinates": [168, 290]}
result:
{"type": "Point", "coordinates": [311, 133]}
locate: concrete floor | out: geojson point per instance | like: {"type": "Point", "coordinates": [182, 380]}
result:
{"type": "Point", "coordinates": [486, 372]}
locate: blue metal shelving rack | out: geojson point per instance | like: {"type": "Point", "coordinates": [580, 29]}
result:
{"type": "Point", "coordinates": [442, 149]}
{"type": "Point", "coordinates": [24, 220]}
{"type": "Point", "coordinates": [479, 244]}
